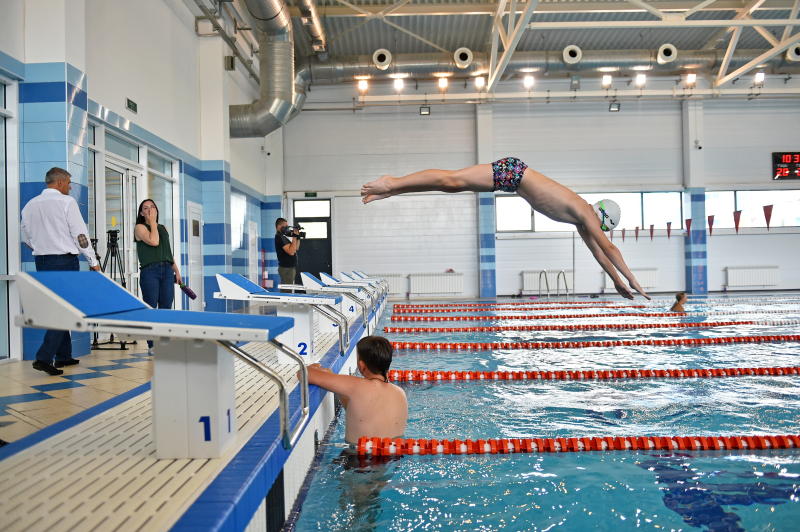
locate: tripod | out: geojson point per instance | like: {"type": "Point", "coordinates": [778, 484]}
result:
{"type": "Point", "coordinates": [112, 260]}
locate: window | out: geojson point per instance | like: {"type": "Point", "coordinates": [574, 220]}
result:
{"type": "Point", "coordinates": [238, 215]}
{"type": "Point", "coordinates": [513, 214]}
{"type": "Point", "coordinates": [721, 204]}
{"type": "Point", "coordinates": [122, 147]}
{"type": "Point", "coordinates": [4, 321]}
{"type": "Point", "coordinates": [630, 205]}
{"type": "Point", "coordinates": [92, 224]}
{"type": "Point", "coordinates": [662, 207]}
{"type": "Point", "coordinates": [159, 164]}
{"type": "Point", "coordinates": [312, 209]}
{"type": "Point", "coordinates": [159, 189]}
{"type": "Point", "coordinates": [785, 210]}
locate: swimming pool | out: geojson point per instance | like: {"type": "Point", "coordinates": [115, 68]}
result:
{"type": "Point", "coordinates": [718, 490]}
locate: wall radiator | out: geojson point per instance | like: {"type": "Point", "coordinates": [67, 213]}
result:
{"type": "Point", "coordinates": [752, 276]}
{"type": "Point", "coordinates": [436, 284]}
{"type": "Point", "coordinates": [530, 281]}
{"type": "Point", "coordinates": [647, 277]}
{"type": "Point", "coordinates": [398, 282]}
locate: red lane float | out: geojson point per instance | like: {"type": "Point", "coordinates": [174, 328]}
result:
{"type": "Point", "coordinates": [514, 309]}
{"type": "Point", "coordinates": [415, 375]}
{"type": "Point", "coordinates": [579, 327]}
{"type": "Point", "coordinates": [401, 446]}
{"type": "Point", "coordinates": [486, 346]}
{"type": "Point", "coordinates": [581, 316]}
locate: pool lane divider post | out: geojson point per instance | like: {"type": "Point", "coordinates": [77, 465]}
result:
{"type": "Point", "coordinates": [401, 446]}
{"type": "Point", "coordinates": [414, 375]}
{"type": "Point", "coordinates": [485, 346]}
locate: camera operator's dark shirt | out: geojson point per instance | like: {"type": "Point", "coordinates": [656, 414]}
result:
{"type": "Point", "coordinates": [284, 259]}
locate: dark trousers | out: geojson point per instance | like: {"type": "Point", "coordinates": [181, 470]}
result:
{"type": "Point", "coordinates": [56, 344]}
{"type": "Point", "coordinates": [157, 282]}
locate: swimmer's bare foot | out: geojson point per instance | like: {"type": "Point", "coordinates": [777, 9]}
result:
{"type": "Point", "coordinates": [376, 190]}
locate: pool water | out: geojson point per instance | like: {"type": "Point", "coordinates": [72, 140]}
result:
{"type": "Point", "coordinates": [717, 490]}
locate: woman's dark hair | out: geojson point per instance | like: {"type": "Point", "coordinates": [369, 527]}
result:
{"type": "Point", "coordinates": [376, 353]}
{"type": "Point", "coordinates": [679, 296]}
{"type": "Point", "coordinates": [140, 216]}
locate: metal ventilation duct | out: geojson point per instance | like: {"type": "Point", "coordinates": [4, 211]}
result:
{"type": "Point", "coordinates": [593, 62]}
{"type": "Point", "coordinates": [275, 106]}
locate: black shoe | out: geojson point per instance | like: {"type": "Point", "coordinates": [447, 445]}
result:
{"type": "Point", "coordinates": [47, 368]}
{"type": "Point", "coordinates": [67, 362]}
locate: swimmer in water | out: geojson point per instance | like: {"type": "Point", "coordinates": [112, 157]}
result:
{"type": "Point", "coordinates": [375, 407]}
{"type": "Point", "coordinates": [680, 300]}
{"type": "Point", "coordinates": [546, 196]}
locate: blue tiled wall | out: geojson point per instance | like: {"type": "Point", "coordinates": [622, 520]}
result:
{"type": "Point", "coordinates": [696, 261]}
{"type": "Point", "coordinates": [486, 245]}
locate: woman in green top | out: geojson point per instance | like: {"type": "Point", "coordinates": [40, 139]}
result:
{"type": "Point", "coordinates": [158, 271]}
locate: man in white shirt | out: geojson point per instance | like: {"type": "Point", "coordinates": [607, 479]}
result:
{"type": "Point", "coordinates": [53, 228]}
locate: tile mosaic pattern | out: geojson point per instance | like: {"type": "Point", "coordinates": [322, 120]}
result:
{"type": "Point", "coordinates": [31, 400]}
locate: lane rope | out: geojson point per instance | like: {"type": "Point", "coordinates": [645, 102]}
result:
{"type": "Point", "coordinates": [416, 375]}
{"type": "Point", "coordinates": [486, 346]}
{"type": "Point", "coordinates": [589, 327]}
{"type": "Point", "coordinates": [514, 309]}
{"type": "Point", "coordinates": [396, 317]}
{"type": "Point", "coordinates": [403, 446]}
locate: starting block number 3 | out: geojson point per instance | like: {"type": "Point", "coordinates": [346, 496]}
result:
{"type": "Point", "coordinates": [206, 421]}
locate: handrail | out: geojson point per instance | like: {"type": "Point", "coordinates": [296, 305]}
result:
{"type": "Point", "coordinates": [344, 330]}
{"type": "Point", "coordinates": [289, 438]}
{"type": "Point", "coordinates": [292, 287]}
{"type": "Point", "coordinates": [373, 296]}
{"type": "Point", "coordinates": [357, 300]}
{"type": "Point", "coordinates": [546, 283]}
{"type": "Point", "coordinates": [561, 274]}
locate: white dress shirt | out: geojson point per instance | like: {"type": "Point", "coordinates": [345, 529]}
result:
{"type": "Point", "coordinates": [52, 223]}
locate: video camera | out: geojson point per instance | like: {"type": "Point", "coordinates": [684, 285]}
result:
{"type": "Point", "coordinates": [290, 230]}
{"type": "Point", "coordinates": [113, 236]}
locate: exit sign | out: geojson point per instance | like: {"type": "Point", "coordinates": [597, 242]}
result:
{"type": "Point", "coordinates": [131, 105]}
{"type": "Point", "coordinates": [311, 194]}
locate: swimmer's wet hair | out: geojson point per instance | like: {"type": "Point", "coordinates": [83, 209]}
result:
{"type": "Point", "coordinates": [376, 353]}
{"type": "Point", "coordinates": [679, 296]}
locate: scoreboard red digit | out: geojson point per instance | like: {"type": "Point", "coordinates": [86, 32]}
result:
{"type": "Point", "coordinates": [786, 165]}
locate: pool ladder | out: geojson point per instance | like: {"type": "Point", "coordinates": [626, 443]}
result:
{"type": "Point", "coordinates": [561, 275]}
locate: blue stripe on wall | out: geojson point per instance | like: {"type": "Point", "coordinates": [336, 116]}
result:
{"type": "Point", "coordinates": [51, 91]}
{"type": "Point", "coordinates": [486, 240]}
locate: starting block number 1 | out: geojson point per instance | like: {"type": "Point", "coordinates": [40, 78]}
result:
{"type": "Point", "coordinates": [206, 421]}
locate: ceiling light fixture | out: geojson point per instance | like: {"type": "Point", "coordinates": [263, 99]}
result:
{"type": "Point", "coordinates": [528, 82]}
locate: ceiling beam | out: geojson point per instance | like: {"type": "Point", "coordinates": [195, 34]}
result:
{"type": "Point", "coordinates": [590, 6]}
{"type": "Point", "coordinates": [743, 13]}
{"type": "Point", "coordinates": [519, 29]}
{"type": "Point", "coordinates": [699, 7]}
{"type": "Point", "coordinates": [769, 54]}
{"type": "Point", "coordinates": [647, 7]}
{"type": "Point", "coordinates": [792, 15]}
{"type": "Point", "coordinates": [655, 24]}
{"type": "Point", "coordinates": [726, 61]}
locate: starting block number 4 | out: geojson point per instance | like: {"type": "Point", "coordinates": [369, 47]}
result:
{"type": "Point", "coordinates": [352, 308]}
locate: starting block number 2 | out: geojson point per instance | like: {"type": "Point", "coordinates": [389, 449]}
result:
{"type": "Point", "coordinates": [206, 421]}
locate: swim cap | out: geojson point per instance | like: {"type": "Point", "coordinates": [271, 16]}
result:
{"type": "Point", "coordinates": [608, 212]}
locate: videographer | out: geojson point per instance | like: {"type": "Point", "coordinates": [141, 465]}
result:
{"type": "Point", "coordinates": [286, 250]}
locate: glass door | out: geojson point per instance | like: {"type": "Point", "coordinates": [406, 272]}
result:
{"type": "Point", "coordinates": [119, 251]}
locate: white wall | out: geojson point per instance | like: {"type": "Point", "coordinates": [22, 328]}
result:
{"type": "Point", "coordinates": [341, 150]}
{"type": "Point", "coordinates": [741, 136]}
{"type": "Point", "coordinates": [146, 51]}
{"type": "Point", "coordinates": [755, 247]}
{"type": "Point", "coordinates": [12, 32]}
{"type": "Point", "coordinates": [587, 148]}
{"type": "Point", "coordinates": [247, 158]}
{"type": "Point", "coordinates": [542, 252]}
{"type": "Point", "coordinates": [410, 234]}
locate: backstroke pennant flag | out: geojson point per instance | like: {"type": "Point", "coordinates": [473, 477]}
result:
{"type": "Point", "coordinates": [767, 214]}
{"type": "Point", "coordinates": [652, 229]}
{"type": "Point", "coordinates": [669, 229]}
{"type": "Point", "coordinates": [688, 227]}
{"type": "Point", "coordinates": [710, 223]}
{"type": "Point", "coordinates": [737, 215]}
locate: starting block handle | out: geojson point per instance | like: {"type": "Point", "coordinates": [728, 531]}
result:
{"type": "Point", "coordinates": [344, 330]}
{"type": "Point", "coordinates": [364, 310]}
{"type": "Point", "coordinates": [292, 287]}
{"type": "Point", "coordinates": [288, 438]}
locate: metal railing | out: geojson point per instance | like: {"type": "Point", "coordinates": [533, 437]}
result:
{"type": "Point", "coordinates": [289, 436]}
{"type": "Point", "coordinates": [337, 317]}
{"type": "Point", "coordinates": [562, 275]}
{"type": "Point", "coordinates": [543, 273]}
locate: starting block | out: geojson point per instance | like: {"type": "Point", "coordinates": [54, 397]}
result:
{"type": "Point", "coordinates": [358, 296]}
{"type": "Point", "coordinates": [300, 307]}
{"type": "Point", "coordinates": [193, 382]}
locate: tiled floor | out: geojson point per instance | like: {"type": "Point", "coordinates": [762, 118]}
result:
{"type": "Point", "coordinates": [31, 400]}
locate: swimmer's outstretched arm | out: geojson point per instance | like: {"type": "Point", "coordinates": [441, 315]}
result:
{"type": "Point", "coordinates": [341, 385]}
{"type": "Point", "coordinates": [608, 256]}
{"type": "Point", "coordinates": [476, 178]}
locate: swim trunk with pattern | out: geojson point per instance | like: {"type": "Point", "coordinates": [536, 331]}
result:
{"type": "Point", "coordinates": [507, 174]}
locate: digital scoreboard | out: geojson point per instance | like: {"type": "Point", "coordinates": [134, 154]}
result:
{"type": "Point", "coordinates": [786, 165]}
